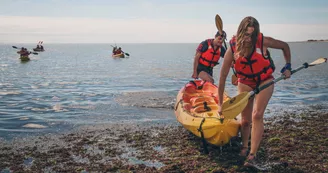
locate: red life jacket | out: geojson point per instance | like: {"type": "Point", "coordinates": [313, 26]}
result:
{"type": "Point", "coordinates": [210, 58]}
{"type": "Point", "coordinates": [256, 67]}
{"type": "Point", "coordinates": [118, 51]}
{"type": "Point", "coordinates": [24, 53]}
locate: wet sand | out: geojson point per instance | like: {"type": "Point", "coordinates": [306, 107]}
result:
{"type": "Point", "coordinates": [292, 143]}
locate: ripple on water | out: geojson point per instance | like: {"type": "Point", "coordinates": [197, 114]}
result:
{"type": "Point", "coordinates": [10, 92]}
{"type": "Point", "coordinates": [34, 126]}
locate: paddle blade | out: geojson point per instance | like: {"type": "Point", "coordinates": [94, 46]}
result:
{"type": "Point", "coordinates": [318, 61]}
{"type": "Point", "coordinates": [127, 54]}
{"type": "Point", "coordinates": [34, 53]}
{"type": "Point", "coordinates": [218, 23]}
{"type": "Point", "coordinates": [15, 47]}
{"type": "Point", "coordinates": [234, 106]}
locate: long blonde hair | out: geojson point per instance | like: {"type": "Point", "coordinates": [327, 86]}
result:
{"type": "Point", "coordinates": [248, 21]}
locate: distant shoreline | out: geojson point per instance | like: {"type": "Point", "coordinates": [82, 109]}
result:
{"type": "Point", "coordinates": [317, 40]}
{"type": "Point", "coordinates": [101, 43]}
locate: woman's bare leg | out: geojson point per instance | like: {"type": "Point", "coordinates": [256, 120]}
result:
{"type": "Point", "coordinates": [206, 77]}
{"type": "Point", "coordinates": [260, 104]}
{"type": "Point", "coordinates": [246, 119]}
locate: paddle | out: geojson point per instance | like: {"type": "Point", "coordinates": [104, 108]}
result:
{"type": "Point", "coordinates": [234, 106]}
{"type": "Point", "coordinates": [29, 51]}
{"type": "Point", "coordinates": [219, 26]}
{"type": "Point", "coordinates": [219, 23]}
{"type": "Point", "coordinates": [126, 53]}
{"type": "Point", "coordinates": [40, 43]}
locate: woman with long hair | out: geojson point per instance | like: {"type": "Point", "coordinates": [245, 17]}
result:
{"type": "Point", "coordinates": [247, 53]}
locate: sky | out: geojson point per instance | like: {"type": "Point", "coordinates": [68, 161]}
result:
{"type": "Point", "coordinates": [156, 21]}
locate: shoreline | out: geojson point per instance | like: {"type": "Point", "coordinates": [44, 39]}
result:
{"type": "Point", "coordinates": [317, 40]}
{"type": "Point", "coordinates": [291, 143]}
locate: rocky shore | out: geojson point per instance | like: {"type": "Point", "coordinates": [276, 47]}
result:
{"type": "Point", "coordinates": [292, 143]}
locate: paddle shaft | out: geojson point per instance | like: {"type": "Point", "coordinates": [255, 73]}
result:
{"type": "Point", "coordinates": [226, 48]}
{"type": "Point", "coordinates": [35, 53]}
{"type": "Point", "coordinates": [252, 93]}
{"type": "Point", "coordinates": [234, 106]}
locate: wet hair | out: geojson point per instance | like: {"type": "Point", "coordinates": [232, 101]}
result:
{"type": "Point", "coordinates": [248, 21]}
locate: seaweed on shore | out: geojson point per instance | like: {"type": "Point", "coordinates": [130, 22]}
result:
{"type": "Point", "coordinates": [297, 142]}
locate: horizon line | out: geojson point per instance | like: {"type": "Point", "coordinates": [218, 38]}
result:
{"type": "Point", "coordinates": [310, 40]}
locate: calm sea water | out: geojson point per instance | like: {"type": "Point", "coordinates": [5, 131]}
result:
{"type": "Point", "coordinates": [73, 84]}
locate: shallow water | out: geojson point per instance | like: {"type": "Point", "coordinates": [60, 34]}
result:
{"type": "Point", "coordinates": [73, 84]}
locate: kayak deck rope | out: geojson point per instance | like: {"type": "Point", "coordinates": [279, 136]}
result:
{"type": "Point", "coordinates": [176, 106]}
{"type": "Point", "coordinates": [200, 129]}
{"type": "Point", "coordinates": [206, 107]}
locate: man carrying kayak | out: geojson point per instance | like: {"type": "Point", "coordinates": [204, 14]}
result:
{"type": "Point", "coordinates": [207, 56]}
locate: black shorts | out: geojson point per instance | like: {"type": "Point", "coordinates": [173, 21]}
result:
{"type": "Point", "coordinates": [204, 68]}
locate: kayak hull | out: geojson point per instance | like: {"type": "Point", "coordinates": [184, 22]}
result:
{"type": "Point", "coordinates": [121, 55]}
{"type": "Point", "coordinates": [38, 50]}
{"type": "Point", "coordinates": [24, 58]}
{"type": "Point", "coordinates": [196, 109]}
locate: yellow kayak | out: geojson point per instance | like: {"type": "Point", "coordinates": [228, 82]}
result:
{"type": "Point", "coordinates": [24, 58]}
{"type": "Point", "coordinates": [121, 55]}
{"type": "Point", "coordinates": [196, 109]}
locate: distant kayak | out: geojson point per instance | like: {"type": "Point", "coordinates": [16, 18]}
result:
{"type": "Point", "coordinates": [38, 50]}
{"type": "Point", "coordinates": [196, 109]}
{"type": "Point", "coordinates": [24, 56]}
{"type": "Point", "coordinates": [121, 55]}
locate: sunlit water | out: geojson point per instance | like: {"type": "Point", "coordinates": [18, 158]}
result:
{"type": "Point", "coordinates": [73, 84]}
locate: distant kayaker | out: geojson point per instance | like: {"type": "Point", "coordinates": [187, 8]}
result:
{"type": "Point", "coordinates": [24, 54]}
{"type": "Point", "coordinates": [253, 69]}
{"type": "Point", "coordinates": [118, 51]}
{"type": "Point", "coordinates": [114, 50]}
{"type": "Point", "coordinates": [41, 47]}
{"type": "Point", "coordinates": [207, 56]}
{"type": "Point", "coordinates": [23, 51]}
